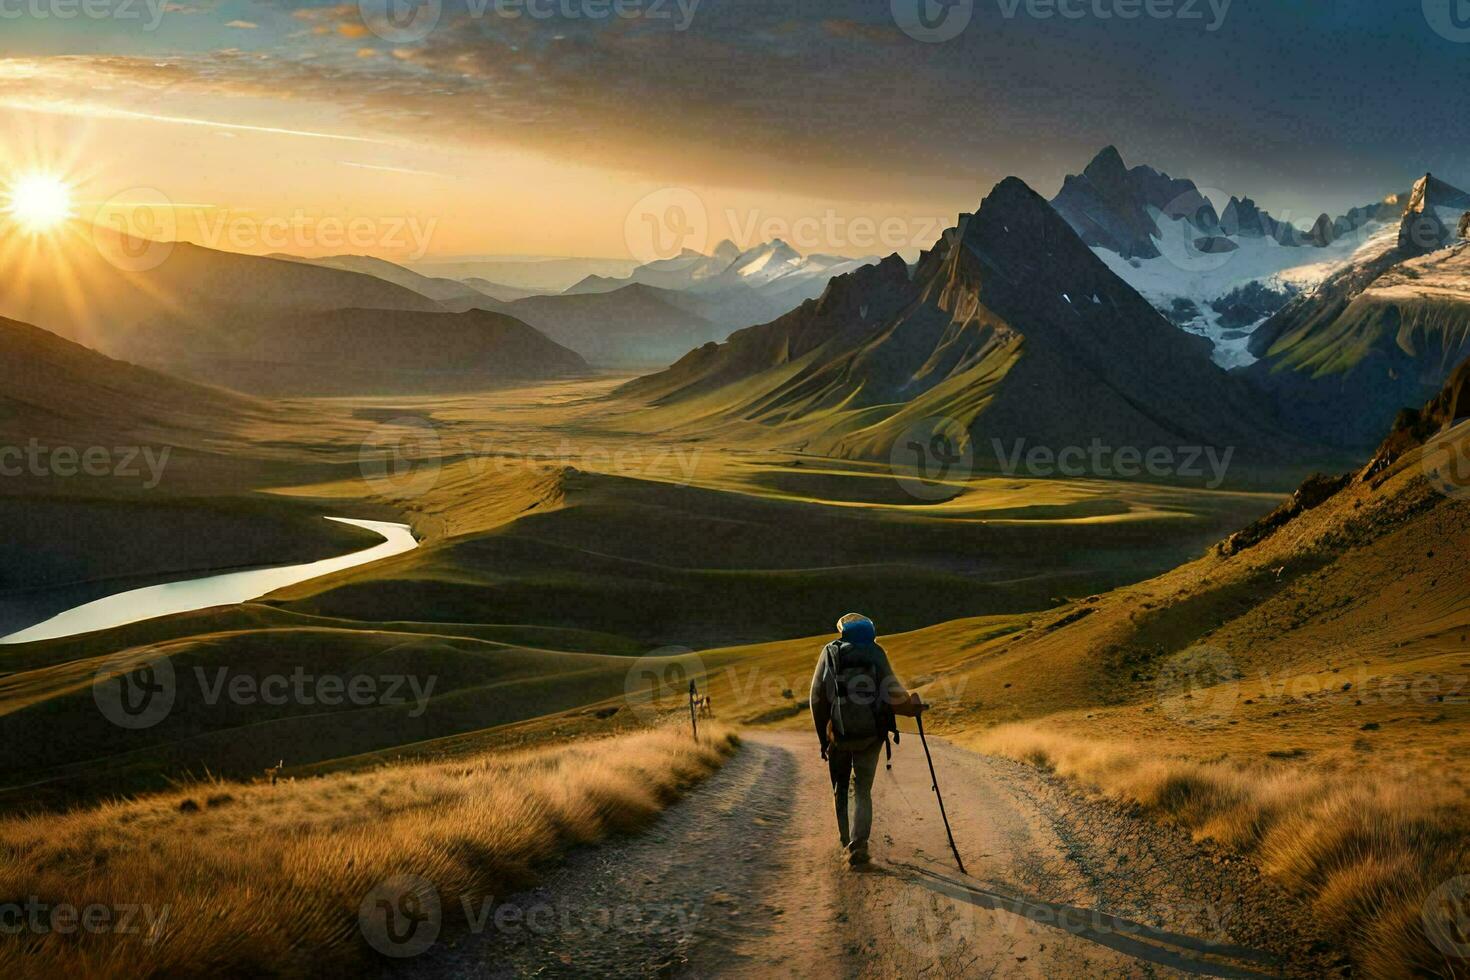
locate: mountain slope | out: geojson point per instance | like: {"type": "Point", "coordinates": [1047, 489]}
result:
{"type": "Point", "coordinates": [451, 293]}
{"type": "Point", "coordinates": [55, 391]}
{"type": "Point", "coordinates": [634, 325]}
{"type": "Point", "coordinates": [1380, 335]}
{"type": "Point", "coordinates": [85, 289]}
{"type": "Point", "coordinates": [341, 352]}
{"type": "Point", "coordinates": [1010, 325]}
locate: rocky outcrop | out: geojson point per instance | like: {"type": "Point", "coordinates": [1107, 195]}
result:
{"type": "Point", "coordinates": [1109, 205]}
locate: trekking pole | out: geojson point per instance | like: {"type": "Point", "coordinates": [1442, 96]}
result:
{"type": "Point", "coordinates": [693, 717]}
{"type": "Point", "coordinates": [934, 785]}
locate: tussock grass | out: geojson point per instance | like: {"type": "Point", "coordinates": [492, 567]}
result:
{"type": "Point", "coordinates": [258, 880]}
{"type": "Point", "coordinates": [1367, 855]}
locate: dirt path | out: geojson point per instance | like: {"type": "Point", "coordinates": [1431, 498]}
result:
{"type": "Point", "coordinates": [744, 878]}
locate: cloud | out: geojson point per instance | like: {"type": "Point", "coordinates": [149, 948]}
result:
{"type": "Point", "coordinates": [243, 25]}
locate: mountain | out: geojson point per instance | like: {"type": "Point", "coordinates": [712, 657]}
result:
{"type": "Point", "coordinates": [534, 274]}
{"type": "Point", "coordinates": [1217, 277]}
{"type": "Point", "coordinates": [500, 291]}
{"type": "Point", "coordinates": [772, 268]}
{"type": "Point", "coordinates": [715, 293]}
{"type": "Point", "coordinates": [450, 293]}
{"type": "Point", "coordinates": [354, 351]}
{"type": "Point", "coordinates": [61, 393]}
{"type": "Point", "coordinates": [96, 290]}
{"type": "Point", "coordinates": [1010, 327]}
{"type": "Point", "coordinates": [1111, 206]}
{"type": "Point", "coordinates": [1380, 335]}
{"type": "Point", "coordinates": [634, 325]}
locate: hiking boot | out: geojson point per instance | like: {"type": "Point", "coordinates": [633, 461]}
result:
{"type": "Point", "coordinates": [858, 856]}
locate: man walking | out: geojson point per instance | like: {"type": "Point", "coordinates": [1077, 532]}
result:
{"type": "Point", "coordinates": [854, 698]}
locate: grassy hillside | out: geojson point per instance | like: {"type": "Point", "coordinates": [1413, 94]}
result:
{"type": "Point", "coordinates": [284, 879]}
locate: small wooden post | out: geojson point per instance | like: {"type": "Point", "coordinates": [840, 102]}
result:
{"type": "Point", "coordinates": [693, 715]}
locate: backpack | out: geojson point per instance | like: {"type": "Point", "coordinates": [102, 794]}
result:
{"type": "Point", "coordinates": [858, 711]}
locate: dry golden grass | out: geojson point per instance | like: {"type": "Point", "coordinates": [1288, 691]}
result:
{"type": "Point", "coordinates": [1367, 854]}
{"type": "Point", "coordinates": [259, 880]}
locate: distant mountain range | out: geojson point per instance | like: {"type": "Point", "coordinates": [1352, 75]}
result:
{"type": "Point", "coordinates": [1380, 334]}
{"type": "Point", "coordinates": [649, 317]}
{"type": "Point", "coordinates": [1010, 327]}
{"type": "Point", "coordinates": [271, 326]}
{"type": "Point", "coordinates": [1216, 275]}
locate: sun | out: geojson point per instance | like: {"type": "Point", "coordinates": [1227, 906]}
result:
{"type": "Point", "coordinates": [39, 202]}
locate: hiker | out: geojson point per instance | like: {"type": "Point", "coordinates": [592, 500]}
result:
{"type": "Point", "coordinates": [854, 699]}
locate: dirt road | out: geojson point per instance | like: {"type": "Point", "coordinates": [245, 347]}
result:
{"type": "Point", "coordinates": [744, 878]}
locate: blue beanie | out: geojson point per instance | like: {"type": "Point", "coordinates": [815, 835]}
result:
{"type": "Point", "coordinates": [856, 628]}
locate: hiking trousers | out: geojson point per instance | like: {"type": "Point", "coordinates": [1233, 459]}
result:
{"type": "Point", "coordinates": [854, 771]}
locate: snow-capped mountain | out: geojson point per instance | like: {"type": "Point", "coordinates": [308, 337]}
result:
{"type": "Point", "coordinates": [772, 268]}
{"type": "Point", "coordinates": [1218, 275]}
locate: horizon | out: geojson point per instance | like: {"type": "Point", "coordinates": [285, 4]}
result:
{"type": "Point", "coordinates": [522, 129]}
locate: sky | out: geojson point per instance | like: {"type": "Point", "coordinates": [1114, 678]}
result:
{"type": "Point", "coordinates": [415, 129]}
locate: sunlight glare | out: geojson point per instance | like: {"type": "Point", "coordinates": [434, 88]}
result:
{"type": "Point", "coordinates": [39, 202]}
